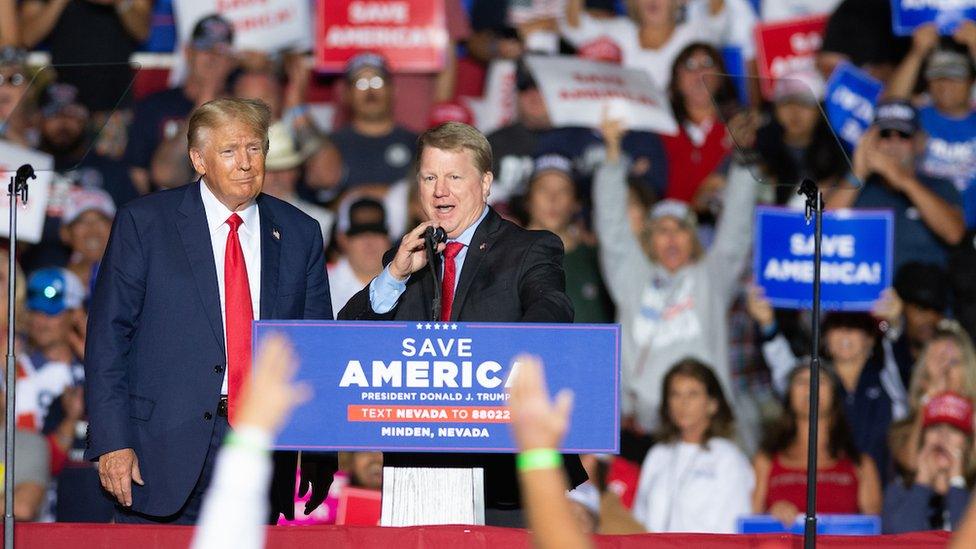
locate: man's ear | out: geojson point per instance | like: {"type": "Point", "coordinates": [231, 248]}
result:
{"type": "Point", "coordinates": [196, 158]}
{"type": "Point", "coordinates": [486, 180]}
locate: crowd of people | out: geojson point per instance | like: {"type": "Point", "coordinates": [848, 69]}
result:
{"type": "Point", "coordinates": [656, 231]}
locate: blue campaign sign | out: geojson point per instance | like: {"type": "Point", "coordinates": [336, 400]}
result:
{"type": "Point", "coordinates": [857, 258]}
{"type": "Point", "coordinates": [849, 102]}
{"type": "Point", "coordinates": [907, 15]}
{"type": "Point", "coordinates": [440, 387]}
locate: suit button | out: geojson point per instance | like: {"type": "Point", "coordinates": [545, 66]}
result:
{"type": "Point", "coordinates": [207, 416]}
{"type": "Point", "coordinates": [219, 368]}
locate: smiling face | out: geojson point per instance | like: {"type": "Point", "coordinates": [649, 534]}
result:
{"type": "Point", "coordinates": [453, 191]}
{"type": "Point", "coordinates": [690, 407]}
{"type": "Point", "coordinates": [231, 159]}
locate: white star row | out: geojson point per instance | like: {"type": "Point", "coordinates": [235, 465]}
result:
{"type": "Point", "coordinates": [436, 326]}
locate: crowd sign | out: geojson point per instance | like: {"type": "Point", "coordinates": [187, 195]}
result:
{"type": "Point", "coordinates": [410, 34]}
{"type": "Point", "coordinates": [440, 387]}
{"type": "Point", "coordinates": [259, 25]}
{"type": "Point", "coordinates": [578, 93]}
{"type": "Point", "coordinates": [856, 253]}
{"type": "Point", "coordinates": [849, 101]}
{"type": "Point", "coordinates": [30, 217]}
{"type": "Point", "coordinates": [908, 15]}
{"type": "Point", "coordinates": [787, 47]}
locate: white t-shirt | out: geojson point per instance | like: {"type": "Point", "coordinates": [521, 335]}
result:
{"type": "Point", "coordinates": [343, 284]}
{"type": "Point", "coordinates": [733, 26]}
{"type": "Point", "coordinates": [685, 487]}
{"type": "Point", "coordinates": [623, 31]}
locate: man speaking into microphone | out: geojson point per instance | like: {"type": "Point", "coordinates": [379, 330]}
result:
{"type": "Point", "coordinates": [489, 270]}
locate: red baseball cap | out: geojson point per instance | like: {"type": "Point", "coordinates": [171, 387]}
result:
{"type": "Point", "coordinates": [449, 111]}
{"type": "Point", "coordinates": [949, 408]}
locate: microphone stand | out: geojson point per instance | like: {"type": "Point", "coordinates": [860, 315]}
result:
{"type": "Point", "coordinates": [435, 307]}
{"type": "Point", "coordinates": [16, 189]}
{"type": "Point", "coordinates": [814, 208]}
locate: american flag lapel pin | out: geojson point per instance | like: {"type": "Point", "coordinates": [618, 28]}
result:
{"type": "Point", "coordinates": [276, 234]}
{"type": "Point", "coordinates": [483, 246]}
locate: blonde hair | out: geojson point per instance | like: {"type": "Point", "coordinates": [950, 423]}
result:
{"type": "Point", "coordinates": [455, 136]}
{"type": "Point", "coordinates": [253, 113]}
{"type": "Point", "coordinates": [946, 330]}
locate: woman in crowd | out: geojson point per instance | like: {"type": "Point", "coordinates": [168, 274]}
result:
{"type": "Point", "coordinates": [935, 497]}
{"type": "Point", "coordinates": [948, 363]}
{"type": "Point", "coordinates": [649, 38]}
{"type": "Point", "coordinates": [695, 478]}
{"type": "Point", "coordinates": [797, 142]}
{"type": "Point", "coordinates": [551, 204]}
{"type": "Point", "coordinates": [847, 480]}
{"type": "Point", "coordinates": [674, 304]}
{"type": "Point", "coordinates": [870, 387]}
{"type": "Point", "coordinates": [698, 89]}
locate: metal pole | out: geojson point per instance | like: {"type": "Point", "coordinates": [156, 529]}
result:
{"type": "Point", "coordinates": [17, 189]}
{"type": "Point", "coordinates": [810, 522]}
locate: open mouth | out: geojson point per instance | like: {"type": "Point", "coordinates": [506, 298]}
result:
{"type": "Point", "coordinates": [444, 210]}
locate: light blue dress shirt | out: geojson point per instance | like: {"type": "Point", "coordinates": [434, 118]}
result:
{"type": "Point", "coordinates": [385, 291]}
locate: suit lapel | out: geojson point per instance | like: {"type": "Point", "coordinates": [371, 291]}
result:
{"type": "Point", "coordinates": [480, 245]}
{"type": "Point", "coordinates": [195, 234]}
{"type": "Point", "coordinates": [271, 236]}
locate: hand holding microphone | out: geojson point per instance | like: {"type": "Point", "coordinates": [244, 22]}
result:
{"type": "Point", "coordinates": [411, 256]}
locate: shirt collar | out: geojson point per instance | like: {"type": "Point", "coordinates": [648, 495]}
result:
{"type": "Point", "coordinates": [217, 213]}
{"type": "Point", "coordinates": [468, 234]}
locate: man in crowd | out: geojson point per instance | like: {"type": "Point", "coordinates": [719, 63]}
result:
{"type": "Point", "coordinates": [949, 120]}
{"type": "Point", "coordinates": [492, 271]}
{"type": "Point", "coordinates": [928, 212]}
{"type": "Point", "coordinates": [185, 273]}
{"type": "Point", "coordinates": [375, 150]}
{"type": "Point", "coordinates": [362, 237]}
{"type": "Point", "coordinates": [161, 116]}
{"type": "Point", "coordinates": [922, 291]}
{"type": "Point", "coordinates": [64, 123]}
{"type": "Point", "coordinates": [514, 145]}
{"type": "Point", "coordinates": [284, 169]}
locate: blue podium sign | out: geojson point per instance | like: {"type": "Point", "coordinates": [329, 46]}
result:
{"type": "Point", "coordinates": [857, 257]}
{"type": "Point", "coordinates": [440, 387]}
{"type": "Point", "coordinates": [908, 15]}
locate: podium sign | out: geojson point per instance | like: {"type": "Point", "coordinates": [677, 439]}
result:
{"type": "Point", "coordinates": [440, 387]}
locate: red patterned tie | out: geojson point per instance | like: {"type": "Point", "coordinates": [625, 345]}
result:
{"type": "Point", "coordinates": [239, 314]}
{"type": "Point", "coordinates": [450, 273]}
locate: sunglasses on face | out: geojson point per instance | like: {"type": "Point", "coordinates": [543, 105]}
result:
{"type": "Point", "coordinates": [16, 79]}
{"type": "Point", "coordinates": [701, 63]}
{"type": "Point", "coordinates": [373, 83]}
{"type": "Point", "coordinates": [888, 134]}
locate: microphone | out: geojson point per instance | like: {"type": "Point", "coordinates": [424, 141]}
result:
{"type": "Point", "coordinates": [432, 237]}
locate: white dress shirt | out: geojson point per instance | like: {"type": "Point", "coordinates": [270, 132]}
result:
{"type": "Point", "coordinates": [249, 233]}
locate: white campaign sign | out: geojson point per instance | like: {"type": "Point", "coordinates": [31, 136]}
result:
{"type": "Point", "coordinates": [261, 25]}
{"type": "Point", "coordinates": [30, 217]}
{"type": "Point", "coordinates": [577, 92]}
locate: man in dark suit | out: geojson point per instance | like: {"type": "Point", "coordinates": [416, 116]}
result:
{"type": "Point", "coordinates": [492, 270]}
{"type": "Point", "coordinates": [169, 333]}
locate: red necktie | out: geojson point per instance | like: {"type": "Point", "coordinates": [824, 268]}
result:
{"type": "Point", "coordinates": [450, 273]}
{"type": "Point", "coordinates": [238, 316]}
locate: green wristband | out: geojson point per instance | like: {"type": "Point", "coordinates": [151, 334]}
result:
{"type": "Point", "coordinates": [234, 440]}
{"type": "Point", "coordinates": [538, 458]}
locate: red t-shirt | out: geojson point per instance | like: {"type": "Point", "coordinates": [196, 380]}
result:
{"type": "Point", "coordinates": [836, 487]}
{"type": "Point", "coordinates": [690, 164]}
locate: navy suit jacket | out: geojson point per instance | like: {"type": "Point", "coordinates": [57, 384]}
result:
{"type": "Point", "coordinates": [155, 358]}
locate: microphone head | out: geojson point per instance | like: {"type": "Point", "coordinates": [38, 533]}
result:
{"type": "Point", "coordinates": [435, 235]}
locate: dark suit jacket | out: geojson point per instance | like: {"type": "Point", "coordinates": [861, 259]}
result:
{"type": "Point", "coordinates": [509, 275]}
{"type": "Point", "coordinates": [155, 359]}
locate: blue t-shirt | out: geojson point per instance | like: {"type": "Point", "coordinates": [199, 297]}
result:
{"type": "Point", "coordinates": [950, 154]}
{"type": "Point", "coordinates": [914, 241]}
{"type": "Point", "coordinates": [370, 160]}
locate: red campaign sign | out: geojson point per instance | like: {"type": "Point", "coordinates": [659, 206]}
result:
{"type": "Point", "coordinates": [361, 507]}
{"type": "Point", "coordinates": [787, 47]}
{"type": "Point", "coordinates": [410, 34]}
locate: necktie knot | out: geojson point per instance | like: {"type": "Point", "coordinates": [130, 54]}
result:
{"type": "Point", "coordinates": [452, 250]}
{"type": "Point", "coordinates": [234, 221]}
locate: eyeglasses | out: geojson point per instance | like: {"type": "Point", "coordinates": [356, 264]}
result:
{"type": "Point", "coordinates": [16, 79]}
{"type": "Point", "coordinates": [696, 64]}
{"type": "Point", "coordinates": [373, 83]}
{"type": "Point", "coordinates": [889, 133]}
